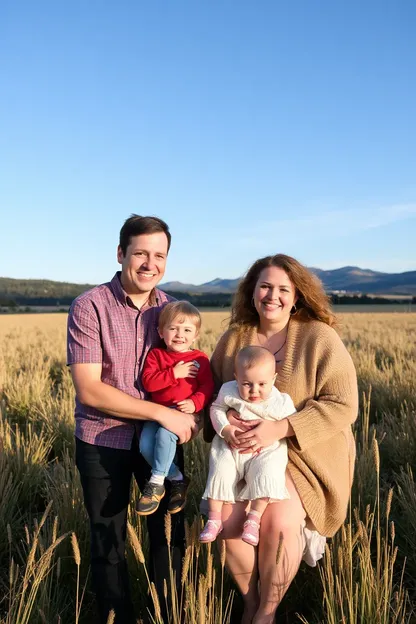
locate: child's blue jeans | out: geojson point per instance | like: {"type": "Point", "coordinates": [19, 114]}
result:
{"type": "Point", "coordinates": [158, 447]}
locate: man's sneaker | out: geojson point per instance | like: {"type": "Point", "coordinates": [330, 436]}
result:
{"type": "Point", "coordinates": [177, 498]}
{"type": "Point", "coordinates": [150, 498]}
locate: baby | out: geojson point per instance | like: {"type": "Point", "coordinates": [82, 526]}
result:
{"type": "Point", "coordinates": [253, 395]}
{"type": "Point", "coordinates": [179, 377]}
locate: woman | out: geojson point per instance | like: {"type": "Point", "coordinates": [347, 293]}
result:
{"type": "Point", "coordinates": [282, 306]}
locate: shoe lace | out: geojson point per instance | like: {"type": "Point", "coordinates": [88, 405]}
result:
{"type": "Point", "coordinates": [177, 487]}
{"type": "Point", "coordinates": [149, 489]}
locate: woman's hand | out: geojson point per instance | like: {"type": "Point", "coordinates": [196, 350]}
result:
{"type": "Point", "coordinates": [263, 433]}
{"type": "Point", "coordinates": [229, 433]}
{"type": "Point", "coordinates": [234, 419]}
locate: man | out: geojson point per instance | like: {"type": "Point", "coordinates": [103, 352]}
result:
{"type": "Point", "coordinates": [111, 328]}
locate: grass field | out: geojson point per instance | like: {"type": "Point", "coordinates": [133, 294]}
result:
{"type": "Point", "coordinates": [368, 573]}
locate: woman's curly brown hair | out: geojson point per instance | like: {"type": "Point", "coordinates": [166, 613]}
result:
{"type": "Point", "coordinates": [312, 303]}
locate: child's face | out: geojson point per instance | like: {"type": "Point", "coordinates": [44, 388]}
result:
{"type": "Point", "coordinates": [255, 383]}
{"type": "Point", "coordinates": [179, 334]}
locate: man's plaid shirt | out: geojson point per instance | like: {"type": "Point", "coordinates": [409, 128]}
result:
{"type": "Point", "coordinates": [105, 327]}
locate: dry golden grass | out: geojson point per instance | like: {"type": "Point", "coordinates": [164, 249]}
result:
{"type": "Point", "coordinates": [362, 579]}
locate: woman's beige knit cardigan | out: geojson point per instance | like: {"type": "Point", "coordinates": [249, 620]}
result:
{"type": "Point", "coordinates": [319, 375]}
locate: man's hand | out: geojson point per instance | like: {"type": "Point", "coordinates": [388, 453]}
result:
{"type": "Point", "coordinates": [185, 369]}
{"type": "Point", "coordinates": [187, 406]}
{"type": "Point", "coordinates": [229, 434]}
{"type": "Point", "coordinates": [185, 426]}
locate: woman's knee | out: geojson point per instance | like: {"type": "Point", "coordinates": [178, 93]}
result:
{"type": "Point", "coordinates": [281, 523]}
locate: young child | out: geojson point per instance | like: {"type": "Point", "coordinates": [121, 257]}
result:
{"type": "Point", "coordinates": [253, 395]}
{"type": "Point", "coordinates": [178, 377]}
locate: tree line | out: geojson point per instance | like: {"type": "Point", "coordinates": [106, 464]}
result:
{"type": "Point", "coordinates": [10, 302]}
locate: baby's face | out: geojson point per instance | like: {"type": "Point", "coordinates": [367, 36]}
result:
{"type": "Point", "coordinates": [255, 383]}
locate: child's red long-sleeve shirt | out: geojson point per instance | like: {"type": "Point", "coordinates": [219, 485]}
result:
{"type": "Point", "coordinates": [159, 380]}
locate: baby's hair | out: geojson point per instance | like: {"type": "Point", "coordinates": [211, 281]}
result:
{"type": "Point", "coordinates": [253, 355]}
{"type": "Point", "coordinates": [183, 310]}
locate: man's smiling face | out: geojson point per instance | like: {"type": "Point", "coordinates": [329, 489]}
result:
{"type": "Point", "coordinates": [144, 263]}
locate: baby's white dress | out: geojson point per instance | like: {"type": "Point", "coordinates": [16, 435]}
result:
{"type": "Point", "coordinates": [237, 477]}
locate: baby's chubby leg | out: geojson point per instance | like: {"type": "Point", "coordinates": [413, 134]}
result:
{"type": "Point", "coordinates": [213, 525]}
{"type": "Point", "coordinates": [223, 474]}
{"type": "Point", "coordinates": [265, 481]}
{"type": "Point", "coordinates": [251, 527]}
{"type": "Point", "coordinates": [222, 480]}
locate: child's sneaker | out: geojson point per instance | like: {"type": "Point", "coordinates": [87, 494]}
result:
{"type": "Point", "coordinates": [250, 533]}
{"type": "Point", "coordinates": [150, 498]}
{"type": "Point", "coordinates": [210, 531]}
{"type": "Point", "coordinates": [177, 498]}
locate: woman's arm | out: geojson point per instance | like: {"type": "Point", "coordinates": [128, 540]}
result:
{"type": "Point", "coordinates": [332, 409]}
{"type": "Point", "coordinates": [267, 432]}
{"type": "Point", "coordinates": [335, 405]}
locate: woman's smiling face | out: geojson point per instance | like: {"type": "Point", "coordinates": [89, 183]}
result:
{"type": "Point", "coordinates": [274, 295]}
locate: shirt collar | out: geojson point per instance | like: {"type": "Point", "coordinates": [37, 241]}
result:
{"type": "Point", "coordinates": [124, 299]}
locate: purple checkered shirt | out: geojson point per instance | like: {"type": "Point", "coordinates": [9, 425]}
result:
{"type": "Point", "coordinates": [105, 327]}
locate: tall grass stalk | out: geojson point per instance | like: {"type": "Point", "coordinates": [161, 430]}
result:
{"type": "Point", "coordinates": [358, 570]}
{"type": "Point", "coordinates": [77, 559]}
{"type": "Point", "coordinates": [365, 577]}
{"type": "Point", "coordinates": [24, 587]}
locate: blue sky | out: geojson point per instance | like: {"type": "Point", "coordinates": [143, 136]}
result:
{"type": "Point", "coordinates": [250, 127]}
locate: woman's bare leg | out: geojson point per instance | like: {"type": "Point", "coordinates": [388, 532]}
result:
{"type": "Point", "coordinates": [241, 558]}
{"type": "Point", "coordinates": [280, 551]}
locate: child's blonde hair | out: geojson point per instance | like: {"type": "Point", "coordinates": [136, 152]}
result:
{"type": "Point", "coordinates": [183, 310]}
{"type": "Point", "coordinates": [253, 355]}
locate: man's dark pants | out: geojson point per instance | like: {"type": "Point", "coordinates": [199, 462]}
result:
{"type": "Point", "coordinates": [106, 478]}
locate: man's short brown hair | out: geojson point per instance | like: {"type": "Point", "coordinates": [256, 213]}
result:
{"type": "Point", "coordinates": [136, 225]}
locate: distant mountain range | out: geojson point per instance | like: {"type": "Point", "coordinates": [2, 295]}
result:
{"type": "Point", "coordinates": [349, 279]}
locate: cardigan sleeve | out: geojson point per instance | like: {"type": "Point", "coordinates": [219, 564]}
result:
{"type": "Point", "coordinates": [335, 404]}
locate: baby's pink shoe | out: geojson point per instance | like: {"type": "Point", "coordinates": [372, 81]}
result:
{"type": "Point", "coordinates": [210, 531]}
{"type": "Point", "coordinates": [250, 533]}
